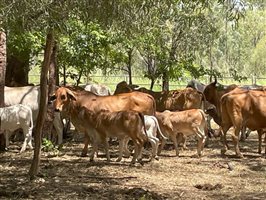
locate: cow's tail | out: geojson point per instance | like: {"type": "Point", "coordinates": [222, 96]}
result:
{"type": "Point", "coordinates": [159, 129]}
{"type": "Point", "coordinates": [143, 123]}
{"type": "Point", "coordinates": [203, 101]}
{"type": "Point", "coordinates": [225, 117]}
{"type": "Point", "coordinates": [204, 116]}
{"type": "Point", "coordinates": [31, 118]}
{"type": "Point", "coordinates": [153, 105]}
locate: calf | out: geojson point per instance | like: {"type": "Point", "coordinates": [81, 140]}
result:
{"type": "Point", "coordinates": [121, 124]}
{"type": "Point", "coordinates": [15, 117]}
{"type": "Point", "coordinates": [186, 123]}
{"type": "Point", "coordinates": [151, 126]}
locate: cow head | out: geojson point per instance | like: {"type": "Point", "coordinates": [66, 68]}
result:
{"type": "Point", "coordinates": [63, 96]}
{"type": "Point", "coordinates": [210, 92]}
{"type": "Point", "coordinates": [123, 87]}
{"type": "Point", "coordinates": [192, 98]}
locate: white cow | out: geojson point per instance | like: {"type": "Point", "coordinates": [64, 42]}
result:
{"type": "Point", "coordinates": [30, 96]}
{"type": "Point", "coordinates": [15, 117]}
{"type": "Point", "coordinates": [98, 89]}
{"type": "Point", "coordinates": [151, 126]}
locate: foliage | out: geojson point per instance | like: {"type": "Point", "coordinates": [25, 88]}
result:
{"type": "Point", "coordinates": [47, 145]}
{"type": "Point", "coordinates": [180, 38]}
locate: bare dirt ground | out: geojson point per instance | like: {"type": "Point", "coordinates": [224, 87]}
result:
{"type": "Point", "coordinates": [66, 175]}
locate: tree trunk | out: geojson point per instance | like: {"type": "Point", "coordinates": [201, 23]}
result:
{"type": "Point", "coordinates": [48, 124]}
{"type": "Point", "coordinates": [129, 65]}
{"type": "Point", "coordinates": [152, 83]}
{"type": "Point", "coordinates": [64, 75]}
{"type": "Point", "coordinates": [2, 80]}
{"type": "Point", "coordinates": [79, 77]}
{"type": "Point", "coordinates": [34, 170]}
{"type": "Point", "coordinates": [165, 86]}
{"type": "Point", "coordinates": [211, 63]}
{"type": "Point", "coordinates": [17, 70]}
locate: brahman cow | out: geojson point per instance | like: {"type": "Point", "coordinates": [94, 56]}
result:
{"type": "Point", "coordinates": [30, 96]}
{"type": "Point", "coordinates": [196, 85]}
{"type": "Point", "coordinates": [213, 93]}
{"type": "Point", "coordinates": [15, 117]}
{"type": "Point", "coordinates": [99, 89]}
{"type": "Point", "coordinates": [151, 127]}
{"type": "Point", "coordinates": [120, 124]}
{"type": "Point", "coordinates": [68, 101]}
{"type": "Point", "coordinates": [188, 122]}
{"type": "Point", "coordinates": [172, 100]}
{"type": "Point", "coordinates": [243, 108]}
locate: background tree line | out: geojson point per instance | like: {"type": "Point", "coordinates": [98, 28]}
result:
{"type": "Point", "coordinates": [163, 40]}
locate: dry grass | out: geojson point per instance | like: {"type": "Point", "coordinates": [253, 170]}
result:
{"type": "Point", "coordinates": [69, 176]}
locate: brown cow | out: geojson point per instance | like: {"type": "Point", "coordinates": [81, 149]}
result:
{"type": "Point", "coordinates": [121, 124]}
{"type": "Point", "coordinates": [68, 101]}
{"type": "Point", "coordinates": [172, 100]}
{"type": "Point", "coordinates": [243, 108]}
{"type": "Point", "coordinates": [213, 93]}
{"type": "Point", "coordinates": [188, 122]}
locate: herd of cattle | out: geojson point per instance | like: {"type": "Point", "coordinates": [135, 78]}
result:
{"type": "Point", "coordinates": [140, 115]}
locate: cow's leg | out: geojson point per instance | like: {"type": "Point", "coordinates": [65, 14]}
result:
{"type": "Point", "coordinates": [7, 134]}
{"type": "Point", "coordinates": [201, 140]}
{"type": "Point", "coordinates": [106, 145]}
{"type": "Point", "coordinates": [26, 136]}
{"type": "Point", "coordinates": [154, 143]}
{"type": "Point", "coordinates": [59, 127]}
{"type": "Point", "coordinates": [223, 130]}
{"type": "Point", "coordinates": [155, 148]}
{"type": "Point", "coordinates": [137, 152]}
{"type": "Point", "coordinates": [181, 138]}
{"type": "Point", "coordinates": [235, 138]}
{"type": "Point", "coordinates": [121, 148]}
{"type": "Point", "coordinates": [163, 142]}
{"type": "Point", "coordinates": [260, 133]}
{"type": "Point", "coordinates": [86, 144]}
{"type": "Point", "coordinates": [173, 137]}
{"type": "Point", "coordinates": [94, 150]}
{"type": "Point", "coordinates": [29, 139]}
{"type": "Point", "coordinates": [127, 153]}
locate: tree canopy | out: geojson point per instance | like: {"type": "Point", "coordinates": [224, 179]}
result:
{"type": "Point", "coordinates": [165, 39]}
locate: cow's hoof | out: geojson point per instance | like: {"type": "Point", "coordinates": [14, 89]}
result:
{"type": "Point", "coordinates": [83, 155]}
{"type": "Point", "coordinates": [239, 156]}
{"type": "Point", "coordinates": [91, 160]}
{"type": "Point", "coordinates": [127, 154]}
{"type": "Point", "coordinates": [156, 158]}
{"type": "Point", "coordinates": [223, 151]}
{"type": "Point", "coordinates": [141, 162]}
{"type": "Point", "coordinates": [195, 156]}
{"type": "Point", "coordinates": [118, 160]}
{"type": "Point", "coordinates": [132, 164]}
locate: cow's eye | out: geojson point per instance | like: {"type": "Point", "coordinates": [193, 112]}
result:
{"type": "Point", "coordinates": [63, 97]}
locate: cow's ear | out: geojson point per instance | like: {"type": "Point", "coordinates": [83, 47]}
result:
{"type": "Point", "coordinates": [71, 95]}
{"type": "Point", "coordinates": [52, 98]}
